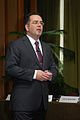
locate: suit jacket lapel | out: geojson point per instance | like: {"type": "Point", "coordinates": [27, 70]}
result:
{"type": "Point", "coordinates": [28, 43]}
{"type": "Point", "coordinates": [44, 55]}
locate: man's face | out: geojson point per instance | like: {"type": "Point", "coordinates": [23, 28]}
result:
{"type": "Point", "coordinates": [35, 26]}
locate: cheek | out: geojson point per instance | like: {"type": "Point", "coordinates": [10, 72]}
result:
{"type": "Point", "coordinates": [32, 29]}
{"type": "Point", "coordinates": [42, 28]}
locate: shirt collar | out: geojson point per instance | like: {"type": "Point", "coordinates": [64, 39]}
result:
{"type": "Point", "coordinates": [32, 40]}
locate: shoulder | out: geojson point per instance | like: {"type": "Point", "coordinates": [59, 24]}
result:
{"type": "Point", "coordinates": [46, 45]}
{"type": "Point", "coordinates": [17, 42]}
{"type": "Point", "coordinates": [16, 45]}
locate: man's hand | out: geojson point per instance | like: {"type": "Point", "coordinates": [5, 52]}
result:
{"type": "Point", "coordinates": [43, 75]}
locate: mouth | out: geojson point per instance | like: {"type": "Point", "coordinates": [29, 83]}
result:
{"type": "Point", "coordinates": [39, 30]}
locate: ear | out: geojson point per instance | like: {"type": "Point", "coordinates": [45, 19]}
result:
{"type": "Point", "coordinates": [27, 27]}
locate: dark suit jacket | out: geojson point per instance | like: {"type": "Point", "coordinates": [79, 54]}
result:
{"type": "Point", "coordinates": [21, 62]}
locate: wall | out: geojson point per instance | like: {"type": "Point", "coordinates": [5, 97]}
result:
{"type": "Point", "coordinates": [11, 19]}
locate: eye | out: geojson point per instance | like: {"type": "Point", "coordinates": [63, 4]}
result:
{"type": "Point", "coordinates": [37, 22]}
{"type": "Point", "coordinates": [42, 23]}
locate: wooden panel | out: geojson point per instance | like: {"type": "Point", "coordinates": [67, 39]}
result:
{"type": "Point", "coordinates": [15, 23]}
{"type": "Point", "coordinates": [20, 15]}
{"type": "Point", "coordinates": [2, 30]}
{"type": "Point", "coordinates": [15, 18]}
{"type": "Point", "coordinates": [11, 19]}
{"type": "Point", "coordinates": [2, 44]}
{"type": "Point", "coordinates": [33, 6]}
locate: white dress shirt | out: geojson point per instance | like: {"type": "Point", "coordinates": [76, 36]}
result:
{"type": "Point", "coordinates": [34, 47]}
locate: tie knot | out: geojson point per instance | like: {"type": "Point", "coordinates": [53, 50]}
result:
{"type": "Point", "coordinates": [36, 43]}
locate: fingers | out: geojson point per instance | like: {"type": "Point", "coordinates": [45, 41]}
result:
{"type": "Point", "coordinates": [43, 75]}
{"type": "Point", "coordinates": [46, 76]}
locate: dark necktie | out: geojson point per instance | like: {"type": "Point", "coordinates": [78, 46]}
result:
{"type": "Point", "coordinates": [40, 57]}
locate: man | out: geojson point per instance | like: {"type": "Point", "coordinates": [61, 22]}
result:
{"type": "Point", "coordinates": [32, 66]}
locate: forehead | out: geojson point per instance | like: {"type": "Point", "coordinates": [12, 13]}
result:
{"type": "Point", "coordinates": [35, 17]}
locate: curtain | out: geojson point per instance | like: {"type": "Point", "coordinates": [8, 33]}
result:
{"type": "Point", "coordinates": [50, 15]}
{"type": "Point", "coordinates": [72, 42]}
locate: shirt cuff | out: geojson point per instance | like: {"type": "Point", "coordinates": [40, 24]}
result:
{"type": "Point", "coordinates": [35, 73]}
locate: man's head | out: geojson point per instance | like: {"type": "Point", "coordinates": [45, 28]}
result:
{"type": "Point", "coordinates": [34, 25]}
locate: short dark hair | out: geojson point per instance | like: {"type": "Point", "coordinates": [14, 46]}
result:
{"type": "Point", "coordinates": [27, 17]}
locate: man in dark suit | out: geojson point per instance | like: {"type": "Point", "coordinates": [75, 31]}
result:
{"type": "Point", "coordinates": [32, 66]}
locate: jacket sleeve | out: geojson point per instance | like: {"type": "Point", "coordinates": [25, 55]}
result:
{"type": "Point", "coordinates": [12, 67]}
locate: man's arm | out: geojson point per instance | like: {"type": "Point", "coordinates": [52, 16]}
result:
{"type": "Point", "coordinates": [12, 67]}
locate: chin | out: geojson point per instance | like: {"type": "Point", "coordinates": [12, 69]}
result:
{"type": "Point", "coordinates": [39, 34]}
